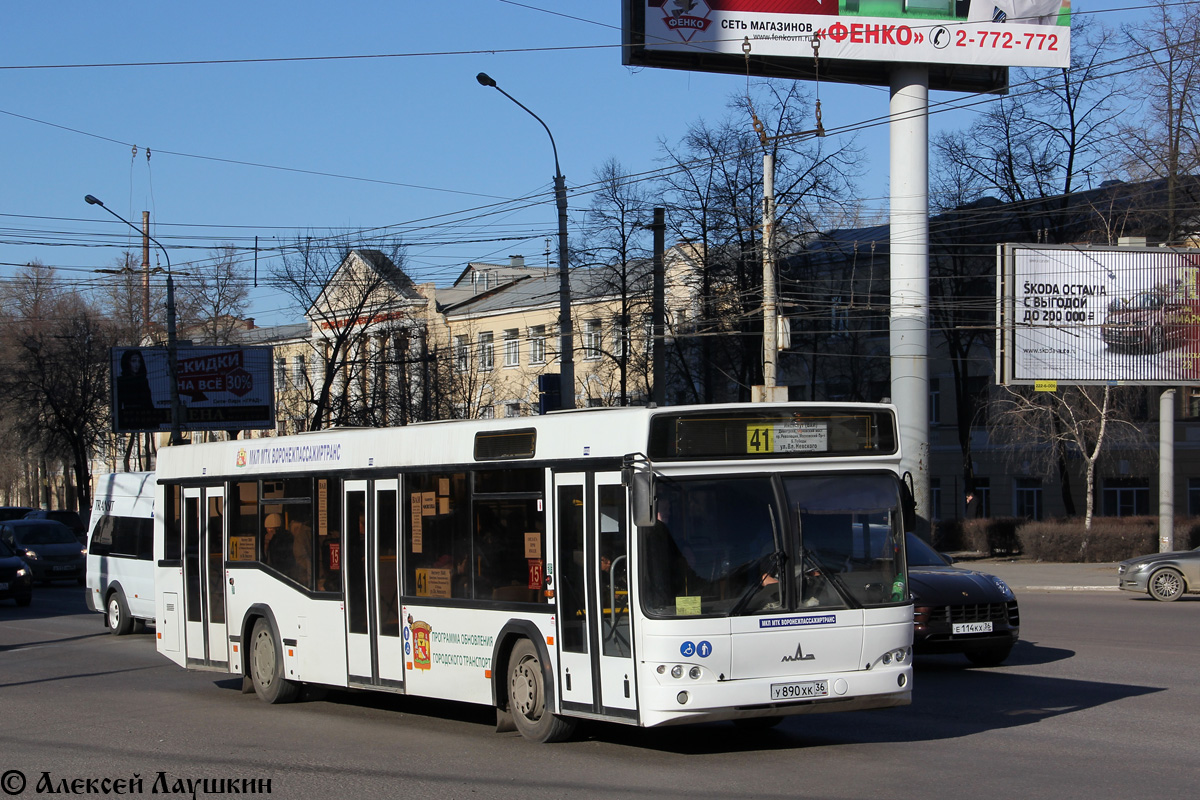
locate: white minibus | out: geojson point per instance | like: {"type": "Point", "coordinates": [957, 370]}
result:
{"type": "Point", "coordinates": [120, 546]}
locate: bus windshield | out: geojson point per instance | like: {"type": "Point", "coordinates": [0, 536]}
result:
{"type": "Point", "coordinates": [732, 547]}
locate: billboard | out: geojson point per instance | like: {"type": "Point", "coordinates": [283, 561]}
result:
{"type": "Point", "coordinates": [967, 44]}
{"type": "Point", "coordinates": [220, 388]}
{"type": "Point", "coordinates": [1091, 315]}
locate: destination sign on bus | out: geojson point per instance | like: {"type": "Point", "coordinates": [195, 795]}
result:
{"type": "Point", "coordinates": [773, 432]}
{"type": "Point", "coordinates": [787, 437]}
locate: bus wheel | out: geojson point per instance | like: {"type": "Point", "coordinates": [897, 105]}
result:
{"type": "Point", "coordinates": [527, 697]}
{"type": "Point", "coordinates": [117, 614]}
{"type": "Point", "coordinates": [266, 666]}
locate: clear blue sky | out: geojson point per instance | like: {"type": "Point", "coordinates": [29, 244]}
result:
{"type": "Point", "coordinates": [423, 149]}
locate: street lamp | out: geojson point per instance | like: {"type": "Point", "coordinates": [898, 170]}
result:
{"type": "Point", "coordinates": [172, 347]}
{"type": "Point", "coordinates": [566, 334]}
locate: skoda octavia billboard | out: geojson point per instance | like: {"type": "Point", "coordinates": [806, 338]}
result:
{"type": "Point", "coordinates": [220, 388]}
{"type": "Point", "coordinates": [1099, 315]}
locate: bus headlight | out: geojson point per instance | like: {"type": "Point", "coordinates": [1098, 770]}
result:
{"type": "Point", "coordinates": [677, 671]}
{"type": "Point", "coordinates": [897, 656]}
{"type": "Point", "coordinates": [694, 673]}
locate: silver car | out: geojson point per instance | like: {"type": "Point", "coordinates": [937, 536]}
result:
{"type": "Point", "coordinates": [1165, 576]}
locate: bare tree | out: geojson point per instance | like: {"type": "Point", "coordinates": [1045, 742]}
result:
{"type": "Point", "coordinates": [1087, 421]}
{"type": "Point", "coordinates": [1055, 130]}
{"type": "Point", "coordinates": [213, 297]}
{"type": "Point", "coordinates": [1165, 142]}
{"type": "Point", "coordinates": [715, 189]}
{"type": "Point", "coordinates": [622, 270]}
{"type": "Point", "coordinates": [57, 383]}
{"type": "Point", "coordinates": [356, 296]}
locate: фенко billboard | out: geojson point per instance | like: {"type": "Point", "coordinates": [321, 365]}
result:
{"type": "Point", "coordinates": [981, 33]}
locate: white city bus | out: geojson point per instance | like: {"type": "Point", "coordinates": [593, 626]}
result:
{"type": "Point", "coordinates": [646, 566]}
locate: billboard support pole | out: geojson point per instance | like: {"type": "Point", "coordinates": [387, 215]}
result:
{"type": "Point", "coordinates": [1166, 471]}
{"type": "Point", "coordinates": [909, 234]}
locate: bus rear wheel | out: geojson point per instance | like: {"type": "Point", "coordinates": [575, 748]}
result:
{"type": "Point", "coordinates": [527, 697]}
{"type": "Point", "coordinates": [266, 666]}
{"type": "Point", "coordinates": [117, 615]}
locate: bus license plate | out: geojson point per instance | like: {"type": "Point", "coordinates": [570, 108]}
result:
{"type": "Point", "coordinates": [3, 587]}
{"type": "Point", "coordinates": [971, 627]}
{"type": "Point", "coordinates": [63, 567]}
{"type": "Point", "coordinates": [799, 691]}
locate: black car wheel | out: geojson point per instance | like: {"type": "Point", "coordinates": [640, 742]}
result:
{"type": "Point", "coordinates": [1166, 585]}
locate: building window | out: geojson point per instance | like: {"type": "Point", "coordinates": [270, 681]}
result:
{"type": "Point", "coordinates": [935, 401]}
{"type": "Point", "coordinates": [620, 338]}
{"type": "Point", "coordinates": [1193, 497]}
{"type": "Point", "coordinates": [280, 372]}
{"type": "Point", "coordinates": [839, 322]}
{"type": "Point", "coordinates": [1126, 497]}
{"type": "Point", "coordinates": [462, 353]}
{"type": "Point", "coordinates": [537, 344]}
{"type": "Point", "coordinates": [935, 498]}
{"type": "Point", "coordinates": [299, 370]}
{"type": "Point", "coordinates": [592, 340]}
{"type": "Point", "coordinates": [648, 333]}
{"type": "Point", "coordinates": [512, 347]}
{"type": "Point", "coordinates": [1027, 498]}
{"type": "Point", "coordinates": [487, 354]}
{"type": "Point", "coordinates": [1193, 403]}
{"type": "Point", "coordinates": [512, 409]}
{"type": "Point", "coordinates": [487, 412]}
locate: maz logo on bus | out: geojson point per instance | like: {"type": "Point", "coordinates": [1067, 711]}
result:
{"type": "Point", "coordinates": [799, 656]}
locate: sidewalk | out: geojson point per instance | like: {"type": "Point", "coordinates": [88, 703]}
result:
{"type": "Point", "coordinates": [1045, 576]}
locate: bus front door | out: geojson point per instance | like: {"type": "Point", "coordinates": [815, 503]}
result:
{"type": "Point", "coordinates": [592, 586]}
{"type": "Point", "coordinates": [205, 631]}
{"type": "Point", "coordinates": [374, 649]}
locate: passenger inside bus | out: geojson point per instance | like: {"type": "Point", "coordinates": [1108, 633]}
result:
{"type": "Point", "coordinates": [278, 548]}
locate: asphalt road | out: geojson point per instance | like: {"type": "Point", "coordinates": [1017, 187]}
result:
{"type": "Point", "coordinates": [1099, 700]}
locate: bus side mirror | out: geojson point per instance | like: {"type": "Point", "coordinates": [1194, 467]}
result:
{"type": "Point", "coordinates": [641, 495]}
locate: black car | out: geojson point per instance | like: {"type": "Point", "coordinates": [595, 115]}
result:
{"type": "Point", "coordinates": [13, 512]}
{"type": "Point", "coordinates": [48, 547]}
{"type": "Point", "coordinates": [16, 579]}
{"type": "Point", "coordinates": [69, 518]}
{"type": "Point", "coordinates": [959, 610]}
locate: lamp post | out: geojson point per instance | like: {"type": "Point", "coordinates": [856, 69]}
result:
{"type": "Point", "coordinates": [172, 346]}
{"type": "Point", "coordinates": [566, 334]}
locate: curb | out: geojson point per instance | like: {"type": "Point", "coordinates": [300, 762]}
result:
{"type": "Point", "coordinates": [1071, 588]}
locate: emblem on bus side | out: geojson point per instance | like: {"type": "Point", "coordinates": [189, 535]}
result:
{"type": "Point", "coordinates": [421, 640]}
{"type": "Point", "coordinates": [799, 656]}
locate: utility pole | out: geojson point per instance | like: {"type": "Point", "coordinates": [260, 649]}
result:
{"type": "Point", "coordinates": [770, 334]}
{"type": "Point", "coordinates": [145, 272]}
{"type": "Point", "coordinates": [658, 339]}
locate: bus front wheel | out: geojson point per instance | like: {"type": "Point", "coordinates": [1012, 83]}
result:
{"type": "Point", "coordinates": [266, 666]}
{"type": "Point", "coordinates": [527, 697]}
